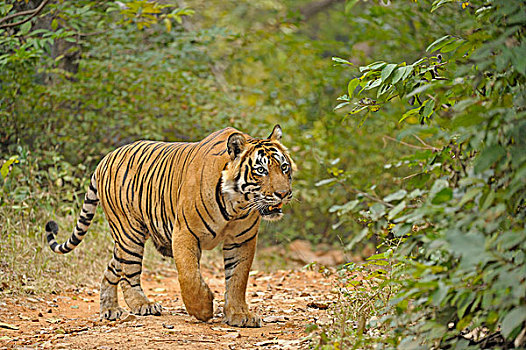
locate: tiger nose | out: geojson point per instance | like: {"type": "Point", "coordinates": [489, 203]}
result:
{"type": "Point", "coordinates": [281, 194]}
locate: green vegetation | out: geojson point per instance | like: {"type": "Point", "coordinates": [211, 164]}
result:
{"type": "Point", "coordinates": [423, 156]}
{"type": "Point", "coordinates": [457, 222]}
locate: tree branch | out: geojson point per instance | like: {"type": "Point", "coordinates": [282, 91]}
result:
{"type": "Point", "coordinates": [426, 146]}
{"type": "Point", "coordinates": [32, 14]}
{"type": "Point", "coordinates": [365, 194]}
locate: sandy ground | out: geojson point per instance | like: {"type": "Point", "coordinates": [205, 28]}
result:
{"type": "Point", "coordinates": [287, 302]}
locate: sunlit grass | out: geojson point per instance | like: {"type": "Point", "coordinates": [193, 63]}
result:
{"type": "Point", "coordinates": [29, 266]}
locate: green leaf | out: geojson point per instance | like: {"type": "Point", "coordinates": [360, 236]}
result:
{"type": "Point", "coordinates": [470, 246]}
{"type": "Point", "coordinates": [443, 196]}
{"type": "Point", "coordinates": [345, 208]}
{"type": "Point", "coordinates": [407, 71]}
{"type": "Point", "coordinates": [488, 200]}
{"type": "Point", "coordinates": [382, 90]}
{"type": "Point", "coordinates": [489, 156]}
{"type": "Point", "coordinates": [342, 61]}
{"type": "Point", "coordinates": [384, 255]}
{"type": "Point", "coordinates": [409, 113]}
{"type": "Point", "coordinates": [371, 84]}
{"type": "Point", "coordinates": [396, 196]}
{"type": "Point", "coordinates": [463, 304]}
{"type": "Point", "coordinates": [440, 294]}
{"type": "Point", "coordinates": [433, 46]}
{"type": "Point", "coordinates": [373, 66]}
{"type": "Point", "coordinates": [401, 230]}
{"type": "Point", "coordinates": [398, 74]}
{"type": "Point", "coordinates": [429, 105]}
{"type": "Point", "coordinates": [24, 29]}
{"type": "Point", "coordinates": [377, 211]}
{"type": "Point", "coordinates": [341, 105]}
{"type": "Point", "coordinates": [396, 210]}
{"type": "Point", "coordinates": [5, 167]}
{"type": "Point", "coordinates": [452, 45]}
{"type": "Point", "coordinates": [470, 194]}
{"type": "Point", "coordinates": [324, 182]}
{"type": "Point", "coordinates": [386, 72]}
{"type": "Point", "coordinates": [168, 25]}
{"type": "Point", "coordinates": [439, 3]}
{"type": "Point", "coordinates": [353, 84]}
{"type": "Point", "coordinates": [349, 5]}
{"type": "Point", "coordinates": [512, 320]}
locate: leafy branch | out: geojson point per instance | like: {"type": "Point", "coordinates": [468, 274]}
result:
{"type": "Point", "coordinates": [32, 13]}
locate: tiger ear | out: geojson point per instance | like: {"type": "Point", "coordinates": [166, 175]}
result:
{"type": "Point", "coordinates": [276, 133]}
{"type": "Point", "coordinates": [235, 145]}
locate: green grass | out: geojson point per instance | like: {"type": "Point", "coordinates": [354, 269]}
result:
{"type": "Point", "coordinates": [27, 264]}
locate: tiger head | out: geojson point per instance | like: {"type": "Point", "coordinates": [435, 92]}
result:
{"type": "Point", "coordinates": [259, 174]}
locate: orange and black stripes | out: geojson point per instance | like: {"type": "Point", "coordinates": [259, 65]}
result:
{"type": "Point", "coordinates": [201, 194]}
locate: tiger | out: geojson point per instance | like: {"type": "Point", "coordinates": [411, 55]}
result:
{"type": "Point", "coordinates": [186, 197]}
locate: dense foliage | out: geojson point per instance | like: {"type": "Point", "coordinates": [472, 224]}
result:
{"type": "Point", "coordinates": [456, 224]}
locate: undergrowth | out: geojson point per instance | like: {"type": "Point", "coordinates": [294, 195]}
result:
{"type": "Point", "coordinates": [357, 319]}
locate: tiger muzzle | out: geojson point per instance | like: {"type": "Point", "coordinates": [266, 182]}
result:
{"type": "Point", "coordinates": [271, 209]}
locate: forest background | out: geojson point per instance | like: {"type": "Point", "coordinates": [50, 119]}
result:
{"type": "Point", "coordinates": [406, 120]}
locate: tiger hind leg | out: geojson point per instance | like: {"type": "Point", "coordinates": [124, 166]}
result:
{"type": "Point", "coordinates": [131, 262]}
{"type": "Point", "coordinates": [109, 306]}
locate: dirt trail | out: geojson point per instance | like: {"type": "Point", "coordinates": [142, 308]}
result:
{"type": "Point", "coordinates": [286, 301]}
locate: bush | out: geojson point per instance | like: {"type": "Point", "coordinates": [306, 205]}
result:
{"type": "Point", "coordinates": [461, 212]}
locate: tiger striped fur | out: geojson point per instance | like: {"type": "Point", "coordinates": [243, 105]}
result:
{"type": "Point", "coordinates": [185, 197]}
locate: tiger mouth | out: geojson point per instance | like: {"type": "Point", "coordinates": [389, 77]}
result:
{"type": "Point", "coordinates": [271, 209]}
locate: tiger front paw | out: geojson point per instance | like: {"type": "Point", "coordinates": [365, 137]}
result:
{"type": "Point", "coordinates": [245, 319]}
{"type": "Point", "coordinates": [201, 305]}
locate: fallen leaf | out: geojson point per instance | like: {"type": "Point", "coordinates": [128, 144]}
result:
{"type": "Point", "coordinates": [223, 329]}
{"type": "Point", "coordinates": [232, 335]}
{"type": "Point", "coordinates": [264, 278]}
{"type": "Point", "coordinates": [266, 342]}
{"type": "Point", "coordinates": [318, 305]}
{"type": "Point", "coordinates": [54, 320]}
{"type": "Point", "coordinates": [9, 326]}
{"type": "Point", "coordinates": [274, 319]}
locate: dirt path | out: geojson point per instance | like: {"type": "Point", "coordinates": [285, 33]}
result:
{"type": "Point", "coordinates": [287, 301]}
